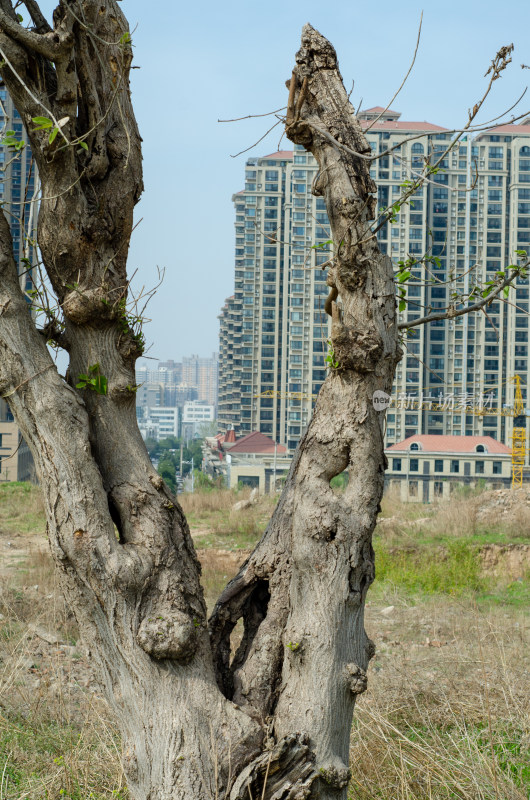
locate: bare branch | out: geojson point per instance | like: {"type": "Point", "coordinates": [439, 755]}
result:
{"type": "Point", "coordinates": [254, 116]}
{"type": "Point", "coordinates": [259, 140]}
{"type": "Point", "coordinates": [403, 81]}
{"type": "Point", "coordinates": [39, 20]}
{"type": "Point", "coordinates": [452, 313]}
{"type": "Point", "coordinates": [52, 45]}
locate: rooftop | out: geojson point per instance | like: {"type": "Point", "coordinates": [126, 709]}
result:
{"type": "Point", "coordinates": [431, 443]}
{"type": "Point", "coordinates": [402, 125]}
{"type": "Point", "coordinates": [257, 442]}
{"type": "Point", "coordinates": [513, 128]}
{"type": "Point", "coordinates": [280, 155]}
{"type": "Point", "coordinates": [379, 110]}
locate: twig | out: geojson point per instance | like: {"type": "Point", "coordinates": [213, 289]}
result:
{"type": "Point", "coordinates": [259, 140]}
{"type": "Point", "coordinates": [253, 116]}
{"type": "Point", "coordinates": [403, 81]}
{"type": "Point", "coordinates": [450, 314]}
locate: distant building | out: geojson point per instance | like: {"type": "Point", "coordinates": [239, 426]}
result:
{"type": "Point", "coordinates": [158, 423]}
{"type": "Point", "coordinates": [195, 416]}
{"type": "Point", "coordinates": [176, 382]}
{"type": "Point", "coordinates": [424, 467]}
{"type": "Point", "coordinates": [16, 461]}
{"type": "Point", "coordinates": [18, 182]}
{"type": "Point", "coordinates": [253, 460]}
{"type": "Point", "coordinates": [469, 218]}
{"type": "Point", "coordinates": [204, 374]}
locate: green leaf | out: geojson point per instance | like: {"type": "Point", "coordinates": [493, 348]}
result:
{"type": "Point", "coordinates": [487, 291]}
{"type": "Point", "coordinates": [20, 18]}
{"type": "Point", "coordinates": [84, 146]}
{"type": "Point", "coordinates": [9, 133]}
{"type": "Point", "coordinates": [100, 384]}
{"type": "Point", "coordinates": [404, 276]}
{"type": "Point", "coordinates": [53, 134]}
{"type": "Point", "coordinates": [402, 304]}
{"type": "Point", "coordinates": [506, 291]}
{"type": "Point", "coordinates": [42, 123]}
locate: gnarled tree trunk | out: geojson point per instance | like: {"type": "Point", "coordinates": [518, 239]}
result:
{"type": "Point", "coordinates": [275, 721]}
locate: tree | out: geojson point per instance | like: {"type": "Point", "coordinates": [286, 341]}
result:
{"type": "Point", "coordinates": [273, 721]}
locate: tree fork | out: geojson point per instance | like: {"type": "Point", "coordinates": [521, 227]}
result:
{"type": "Point", "coordinates": [273, 722]}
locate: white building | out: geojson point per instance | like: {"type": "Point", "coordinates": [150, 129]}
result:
{"type": "Point", "coordinates": [159, 422]}
{"type": "Point", "coordinates": [194, 415]}
{"type": "Point", "coordinates": [469, 219]}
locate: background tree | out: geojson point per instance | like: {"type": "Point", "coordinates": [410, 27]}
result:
{"type": "Point", "coordinates": [274, 720]}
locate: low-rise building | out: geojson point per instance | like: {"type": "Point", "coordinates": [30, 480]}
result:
{"type": "Point", "coordinates": [424, 467]}
{"type": "Point", "coordinates": [253, 460]}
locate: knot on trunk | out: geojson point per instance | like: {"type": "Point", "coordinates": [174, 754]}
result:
{"type": "Point", "coordinates": [286, 772]}
{"type": "Point", "coordinates": [335, 775]}
{"type": "Point", "coordinates": [356, 677]}
{"type": "Point", "coordinates": [130, 566]}
{"type": "Point", "coordinates": [355, 349]}
{"type": "Point", "coordinates": [172, 635]}
{"type": "Point", "coordinates": [81, 305]}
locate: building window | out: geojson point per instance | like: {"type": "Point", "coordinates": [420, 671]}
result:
{"type": "Point", "coordinates": [413, 488]}
{"type": "Point", "coordinates": [479, 468]}
{"type": "Point", "coordinates": [455, 465]}
{"type": "Point", "coordinates": [438, 465]}
{"type": "Point", "coordinates": [414, 465]}
{"type": "Point", "coordinates": [497, 467]}
{"type": "Point", "coordinates": [438, 489]}
{"type": "Point", "coordinates": [396, 464]}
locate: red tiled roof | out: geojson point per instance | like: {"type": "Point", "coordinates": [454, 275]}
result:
{"type": "Point", "coordinates": [524, 130]}
{"type": "Point", "coordinates": [400, 125]}
{"type": "Point", "coordinates": [431, 443]}
{"type": "Point", "coordinates": [377, 110]}
{"type": "Point", "coordinates": [256, 442]}
{"type": "Point", "coordinates": [281, 154]}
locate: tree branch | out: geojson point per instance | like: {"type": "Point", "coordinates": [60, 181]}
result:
{"type": "Point", "coordinates": [452, 313]}
{"type": "Point", "coordinates": [39, 20]}
{"type": "Point", "coordinates": [51, 45]}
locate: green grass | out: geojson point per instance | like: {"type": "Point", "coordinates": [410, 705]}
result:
{"type": "Point", "coordinates": [454, 571]}
{"type": "Point", "coordinates": [21, 508]}
{"type": "Point", "coordinates": [45, 759]}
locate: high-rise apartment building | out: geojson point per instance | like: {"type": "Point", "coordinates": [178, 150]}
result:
{"type": "Point", "coordinates": [471, 216]}
{"type": "Point", "coordinates": [274, 329]}
{"type": "Point", "coordinates": [17, 187]}
{"type": "Point", "coordinates": [204, 374]}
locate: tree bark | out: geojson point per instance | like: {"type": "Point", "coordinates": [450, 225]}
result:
{"type": "Point", "coordinates": [274, 721]}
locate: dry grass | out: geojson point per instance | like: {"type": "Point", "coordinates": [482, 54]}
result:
{"type": "Point", "coordinates": [466, 516]}
{"type": "Point", "coordinates": [215, 523]}
{"type": "Point", "coordinates": [56, 736]}
{"type": "Point", "coordinates": [208, 501]}
{"type": "Point", "coordinates": [447, 710]}
{"type": "Point", "coordinates": [446, 714]}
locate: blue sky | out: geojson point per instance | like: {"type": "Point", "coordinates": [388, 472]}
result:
{"type": "Point", "coordinates": [208, 60]}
